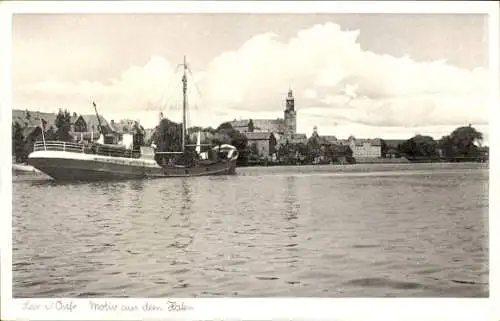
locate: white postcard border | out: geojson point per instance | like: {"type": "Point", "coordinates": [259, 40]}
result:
{"type": "Point", "coordinates": [249, 308]}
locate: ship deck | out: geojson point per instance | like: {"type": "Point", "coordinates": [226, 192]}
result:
{"type": "Point", "coordinates": [85, 148]}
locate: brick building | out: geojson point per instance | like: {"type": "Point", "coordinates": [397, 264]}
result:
{"type": "Point", "coordinates": [266, 134]}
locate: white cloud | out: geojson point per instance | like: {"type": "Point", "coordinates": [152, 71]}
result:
{"type": "Point", "coordinates": [325, 66]}
{"type": "Point", "coordinates": [310, 94]}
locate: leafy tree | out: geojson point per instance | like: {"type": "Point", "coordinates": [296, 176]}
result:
{"type": "Point", "coordinates": [226, 126]}
{"type": "Point", "coordinates": [282, 152]}
{"type": "Point", "coordinates": [250, 126]}
{"type": "Point", "coordinates": [227, 134]}
{"type": "Point", "coordinates": [301, 148]}
{"type": "Point", "coordinates": [348, 154]}
{"type": "Point", "coordinates": [333, 152]}
{"type": "Point", "coordinates": [27, 117]}
{"type": "Point", "coordinates": [272, 144]}
{"type": "Point", "coordinates": [384, 148]}
{"type": "Point", "coordinates": [238, 140]}
{"type": "Point", "coordinates": [210, 129]}
{"type": "Point", "coordinates": [220, 138]}
{"type": "Point", "coordinates": [303, 151]}
{"type": "Point", "coordinates": [447, 147]}
{"type": "Point", "coordinates": [13, 137]}
{"type": "Point", "coordinates": [254, 150]}
{"type": "Point", "coordinates": [63, 124]}
{"type": "Point", "coordinates": [139, 135]}
{"type": "Point", "coordinates": [194, 129]}
{"type": "Point", "coordinates": [50, 133]}
{"type": "Point", "coordinates": [420, 147]}
{"type": "Point", "coordinates": [461, 143]}
{"type": "Point", "coordinates": [168, 136]}
{"type": "Point", "coordinates": [314, 147]}
{"type": "Point", "coordinates": [18, 146]}
{"type": "Point", "coordinates": [467, 134]}
{"type": "Point", "coordinates": [30, 139]}
{"type": "Point", "coordinates": [464, 140]}
{"type": "Point", "coordinates": [347, 151]}
{"type": "Point", "coordinates": [291, 152]}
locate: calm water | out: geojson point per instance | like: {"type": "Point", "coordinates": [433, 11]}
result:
{"type": "Point", "coordinates": [331, 231]}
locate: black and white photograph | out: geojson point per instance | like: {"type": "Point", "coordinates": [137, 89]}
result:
{"type": "Point", "coordinates": [250, 154]}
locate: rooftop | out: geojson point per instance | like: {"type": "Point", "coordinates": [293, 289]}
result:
{"type": "Point", "coordinates": [258, 135]}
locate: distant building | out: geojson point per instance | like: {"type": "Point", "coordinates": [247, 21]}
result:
{"type": "Point", "coordinates": [148, 135]}
{"type": "Point", "coordinates": [290, 115]}
{"type": "Point", "coordinates": [124, 125]}
{"type": "Point", "coordinates": [83, 126]}
{"type": "Point", "coordinates": [326, 140]}
{"type": "Point", "coordinates": [365, 148]}
{"type": "Point", "coordinates": [259, 125]}
{"type": "Point", "coordinates": [265, 134]}
{"type": "Point", "coordinates": [88, 123]}
{"type": "Point", "coordinates": [264, 143]}
{"type": "Point", "coordinates": [204, 137]}
{"type": "Point", "coordinates": [291, 139]}
{"type": "Point", "coordinates": [27, 118]}
{"type": "Point", "coordinates": [484, 152]}
{"type": "Point", "coordinates": [393, 147]}
{"type": "Point", "coordinates": [282, 126]}
{"type": "Point", "coordinates": [361, 148]}
{"type": "Point", "coordinates": [296, 138]}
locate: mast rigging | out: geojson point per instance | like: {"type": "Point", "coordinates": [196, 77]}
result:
{"type": "Point", "coordinates": [184, 104]}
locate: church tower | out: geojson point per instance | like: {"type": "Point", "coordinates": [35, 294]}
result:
{"type": "Point", "coordinates": [290, 115]}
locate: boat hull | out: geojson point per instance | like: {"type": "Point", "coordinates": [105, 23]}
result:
{"type": "Point", "coordinates": [68, 166]}
{"type": "Point", "coordinates": [24, 169]}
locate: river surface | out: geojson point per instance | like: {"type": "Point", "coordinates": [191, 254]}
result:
{"type": "Point", "coordinates": [397, 230]}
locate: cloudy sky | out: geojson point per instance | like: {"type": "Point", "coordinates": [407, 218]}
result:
{"type": "Point", "coordinates": [370, 75]}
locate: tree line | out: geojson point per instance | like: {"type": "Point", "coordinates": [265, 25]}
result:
{"type": "Point", "coordinates": [459, 145]}
{"type": "Point", "coordinates": [26, 134]}
{"type": "Point", "coordinates": [313, 151]}
{"type": "Point", "coordinates": [462, 144]}
{"type": "Point", "coordinates": [168, 138]}
{"type": "Point", "coordinates": [23, 140]}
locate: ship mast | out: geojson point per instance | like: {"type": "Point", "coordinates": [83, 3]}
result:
{"type": "Point", "coordinates": [184, 104]}
{"type": "Point", "coordinates": [98, 119]}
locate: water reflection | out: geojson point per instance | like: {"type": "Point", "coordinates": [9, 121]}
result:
{"type": "Point", "coordinates": [235, 235]}
{"type": "Point", "coordinates": [292, 208]}
{"type": "Point", "coordinates": [135, 191]}
{"type": "Point", "coordinates": [51, 182]}
{"type": "Point", "coordinates": [184, 235]}
{"type": "Point", "coordinates": [291, 202]}
{"type": "Point", "coordinates": [186, 197]}
{"type": "Point", "coordinates": [136, 185]}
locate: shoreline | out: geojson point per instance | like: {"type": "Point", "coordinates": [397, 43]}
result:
{"type": "Point", "coordinates": [24, 169]}
{"type": "Point", "coordinates": [368, 161]}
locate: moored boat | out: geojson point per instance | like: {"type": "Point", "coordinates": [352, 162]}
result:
{"type": "Point", "coordinates": [98, 161]}
{"type": "Point", "coordinates": [24, 169]}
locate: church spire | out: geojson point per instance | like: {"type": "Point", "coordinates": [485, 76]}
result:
{"type": "Point", "coordinates": [290, 114]}
{"type": "Point", "coordinates": [290, 101]}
